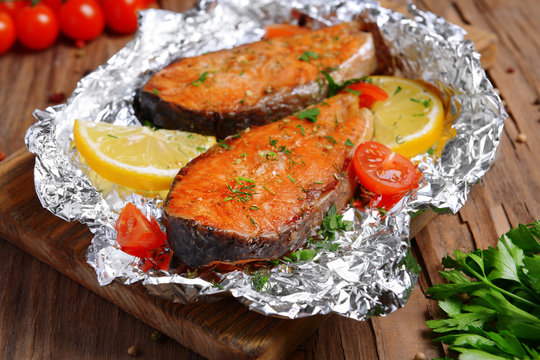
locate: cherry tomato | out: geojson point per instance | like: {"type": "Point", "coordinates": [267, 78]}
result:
{"type": "Point", "coordinates": [13, 7]}
{"type": "Point", "coordinates": [7, 32]}
{"type": "Point", "coordinates": [369, 93]}
{"type": "Point", "coordinates": [121, 15]}
{"type": "Point", "coordinates": [53, 4]}
{"type": "Point", "coordinates": [137, 235]}
{"type": "Point", "coordinates": [81, 19]}
{"type": "Point", "coordinates": [36, 27]}
{"type": "Point", "coordinates": [382, 171]}
{"type": "Point", "coordinates": [277, 30]}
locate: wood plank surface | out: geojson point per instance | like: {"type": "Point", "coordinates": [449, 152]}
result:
{"type": "Point", "coordinates": [44, 315]}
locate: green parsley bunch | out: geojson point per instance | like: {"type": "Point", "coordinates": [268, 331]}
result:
{"type": "Point", "coordinates": [493, 299]}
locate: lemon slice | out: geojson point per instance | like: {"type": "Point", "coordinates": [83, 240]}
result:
{"type": "Point", "coordinates": [411, 120]}
{"type": "Point", "coordinates": [137, 156]}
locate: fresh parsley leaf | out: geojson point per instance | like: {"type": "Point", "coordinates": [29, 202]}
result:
{"type": "Point", "coordinates": [349, 143]}
{"type": "Point", "coordinates": [200, 80]}
{"type": "Point", "coordinates": [309, 114]}
{"type": "Point", "coordinates": [333, 87]}
{"type": "Point", "coordinates": [501, 318]}
{"type": "Point", "coordinates": [259, 280]}
{"type": "Point", "coordinates": [308, 55]}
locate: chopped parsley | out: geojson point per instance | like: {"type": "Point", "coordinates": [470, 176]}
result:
{"type": "Point", "coordinates": [349, 143]}
{"type": "Point", "coordinates": [308, 55]}
{"type": "Point", "coordinates": [244, 193]}
{"type": "Point", "coordinates": [291, 178]}
{"type": "Point", "coordinates": [272, 142]}
{"type": "Point", "coordinates": [200, 80]}
{"type": "Point", "coordinates": [155, 91]}
{"type": "Point", "coordinates": [354, 92]}
{"type": "Point", "coordinates": [200, 148]}
{"type": "Point", "coordinates": [113, 136]}
{"type": "Point", "coordinates": [309, 114]}
{"type": "Point", "coordinates": [301, 129]}
{"type": "Point", "coordinates": [398, 89]}
{"type": "Point", "coordinates": [426, 102]}
{"type": "Point", "coordinates": [224, 145]}
{"type": "Point", "coordinates": [330, 139]}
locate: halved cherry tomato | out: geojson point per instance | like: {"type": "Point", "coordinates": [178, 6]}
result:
{"type": "Point", "coordinates": [7, 32]}
{"type": "Point", "coordinates": [121, 15]}
{"type": "Point", "coordinates": [277, 30]}
{"type": "Point", "coordinates": [81, 19]}
{"type": "Point", "coordinates": [36, 27]}
{"type": "Point", "coordinates": [369, 93]}
{"type": "Point", "coordinates": [382, 171]}
{"type": "Point", "coordinates": [137, 235]}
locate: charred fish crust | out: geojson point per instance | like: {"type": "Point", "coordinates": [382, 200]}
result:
{"type": "Point", "coordinates": [245, 199]}
{"type": "Point", "coordinates": [223, 92]}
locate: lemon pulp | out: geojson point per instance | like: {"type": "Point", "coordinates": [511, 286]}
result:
{"type": "Point", "coordinates": [137, 156]}
{"type": "Point", "coordinates": [411, 120]}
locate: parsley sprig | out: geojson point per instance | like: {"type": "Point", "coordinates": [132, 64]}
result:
{"type": "Point", "coordinates": [493, 298]}
{"type": "Point", "coordinates": [334, 88]}
{"type": "Point", "coordinates": [332, 223]}
{"type": "Point", "coordinates": [309, 114]}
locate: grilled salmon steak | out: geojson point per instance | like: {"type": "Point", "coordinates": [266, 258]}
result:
{"type": "Point", "coordinates": [265, 191]}
{"type": "Point", "coordinates": [223, 92]}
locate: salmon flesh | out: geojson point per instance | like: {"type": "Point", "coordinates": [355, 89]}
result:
{"type": "Point", "coordinates": [226, 91]}
{"type": "Point", "coordinates": [262, 193]}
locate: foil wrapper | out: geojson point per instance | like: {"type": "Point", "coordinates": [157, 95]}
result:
{"type": "Point", "coordinates": [370, 274]}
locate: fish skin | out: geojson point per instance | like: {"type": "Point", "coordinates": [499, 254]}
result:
{"type": "Point", "coordinates": [256, 83]}
{"type": "Point", "coordinates": [292, 192]}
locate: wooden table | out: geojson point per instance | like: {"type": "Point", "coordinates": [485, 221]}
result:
{"type": "Point", "coordinates": [44, 315]}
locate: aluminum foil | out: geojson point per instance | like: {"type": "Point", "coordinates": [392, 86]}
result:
{"type": "Point", "coordinates": [370, 273]}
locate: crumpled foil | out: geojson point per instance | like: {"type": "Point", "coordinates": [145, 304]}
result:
{"type": "Point", "coordinates": [370, 273]}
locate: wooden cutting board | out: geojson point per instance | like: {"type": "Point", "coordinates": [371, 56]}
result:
{"type": "Point", "coordinates": [221, 330]}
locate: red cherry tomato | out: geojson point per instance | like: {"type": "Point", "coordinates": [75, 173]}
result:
{"type": "Point", "coordinates": [7, 32]}
{"type": "Point", "coordinates": [121, 15]}
{"type": "Point", "coordinates": [53, 4]}
{"type": "Point", "coordinates": [137, 235]}
{"type": "Point", "coordinates": [36, 27]}
{"type": "Point", "coordinates": [13, 7]}
{"type": "Point", "coordinates": [81, 19]}
{"type": "Point", "coordinates": [369, 93]}
{"type": "Point", "coordinates": [382, 171]}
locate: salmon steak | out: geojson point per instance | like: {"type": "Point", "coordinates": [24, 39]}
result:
{"type": "Point", "coordinates": [226, 91]}
{"type": "Point", "coordinates": [263, 192]}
